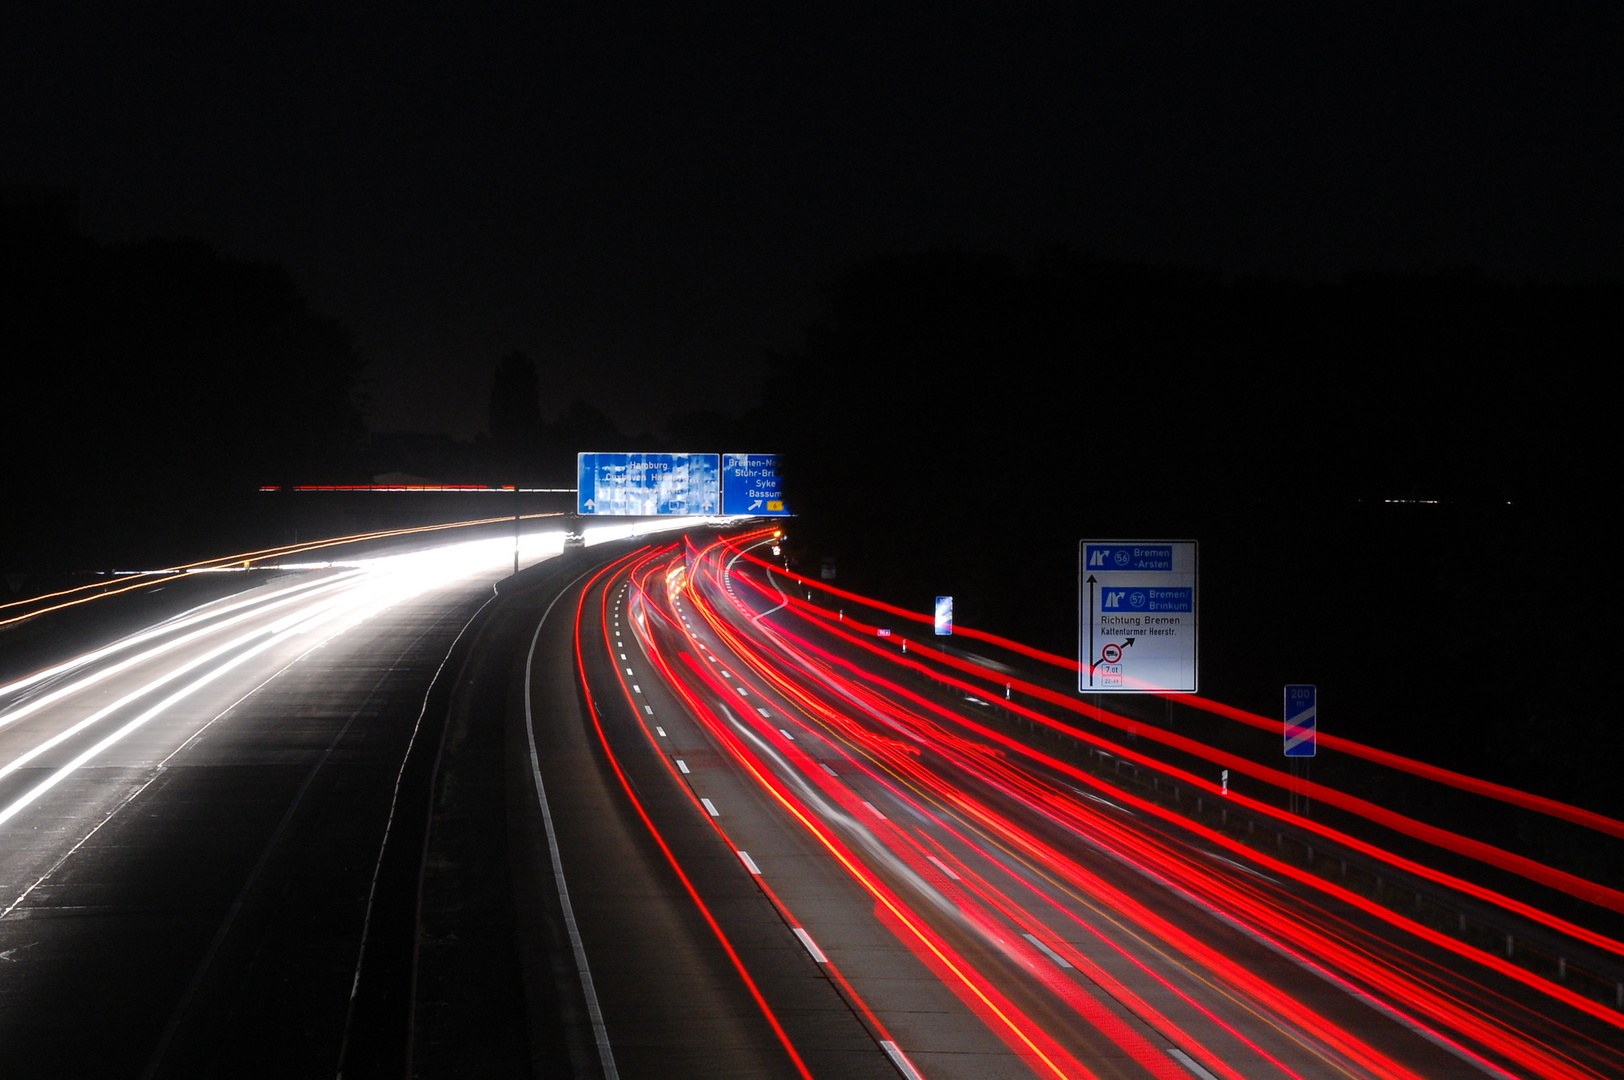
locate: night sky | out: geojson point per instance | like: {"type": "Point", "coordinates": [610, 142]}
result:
{"type": "Point", "coordinates": [646, 199]}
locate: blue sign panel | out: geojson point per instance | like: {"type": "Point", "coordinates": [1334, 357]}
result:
{"type": "Point", "coordinates": [750, 486]}
{"type": "Point", "coordinates": [944, 616]}
{"type": "Point", "coordinates": [648, 484]}
{"type": "Point", "coordinates": [1147, 599]}
{"type": "Point", "coordinates": [1122, 558]}
{"type": "Point", "coordinates": [1302, 723]}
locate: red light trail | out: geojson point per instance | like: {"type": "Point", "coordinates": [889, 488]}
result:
{"type": "Point", "coordinates": [1038, 893]}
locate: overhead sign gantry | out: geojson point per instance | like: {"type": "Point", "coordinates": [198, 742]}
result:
{"type": "Point", "coordinates": [751, 486]}
{"type": "Point", "coordinates": [648, 484]}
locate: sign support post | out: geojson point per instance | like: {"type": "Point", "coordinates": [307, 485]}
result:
{"type": "Point", "coordinates": [1301, 731]}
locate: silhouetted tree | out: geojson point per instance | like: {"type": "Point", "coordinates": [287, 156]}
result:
{"type": "Point", "coordinates": [515, 405]}
{"type": "Point", "coordinates": [584, 427]}
{"type": "Point", "coordinates": [152, 386]}
{"type": "Point", "coordinates": [962, 420]}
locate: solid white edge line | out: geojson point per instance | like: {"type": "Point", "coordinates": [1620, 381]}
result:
{"type": "Point", "coordinates": [605, 1056]}
{"type": "Point", "coordinates": [1059, 961]}
{"type": "Point", "coordinates": [900, 1060]}
{"type": "Point", "coordinates": [388, 827]}
{"type": "Point", "coordinates": [811, 946]}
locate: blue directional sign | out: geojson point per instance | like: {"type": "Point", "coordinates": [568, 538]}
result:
{"type": "Point", "coordinates": [1302, 723]}
{"type": "Point", "coordinates": [648, 484]}
{"type": "Point", "coordinates": [750, 485]}
{"type": "Point", "coordinates": [944, 616]}
{"type": "Point", "coordinates": [1136, 617]}
{"type": "Point", "coordinates": [1135, 558]}
{"type": "Point", "coordinates": [1147, 599]}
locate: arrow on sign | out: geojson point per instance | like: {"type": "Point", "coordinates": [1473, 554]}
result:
{"type": "Point", "coordinates": [1091, 629]}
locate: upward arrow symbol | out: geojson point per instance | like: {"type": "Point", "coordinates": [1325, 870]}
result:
{"type": "Point", "coordinates": [1091, 629]}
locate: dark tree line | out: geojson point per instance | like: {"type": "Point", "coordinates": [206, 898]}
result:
{"type": "Point", "coordinates": [524, 446]}
{"type": "Point", "coordinates": [150, 388]}
{"type": "Point", "coordinates": [960, 421]}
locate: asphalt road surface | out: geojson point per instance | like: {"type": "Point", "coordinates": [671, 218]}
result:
{"type": "Point", "coordinates": [191, 821]}
{"type": "Point", "coordinates": [638, 812]}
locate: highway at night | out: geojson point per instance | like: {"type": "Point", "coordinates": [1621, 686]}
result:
{"type": "Point", "coordinates": [990, 904]}
{"type": "Point", "coordinates": [662, 808]}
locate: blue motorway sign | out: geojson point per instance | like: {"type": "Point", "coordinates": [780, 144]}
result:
{"type": "Point", "coordinates": [1302, 721]}
{"type": "Point", "coordinates": [944, 616]}
{"type": "Point", "coordinates": [750, 486]}
{"type": "Point", "coordinates": [648, 484]}
{"type": "Point", "coordinates": [1135, 558]}
{"type": "Point", "coordinates": [1147, 599]}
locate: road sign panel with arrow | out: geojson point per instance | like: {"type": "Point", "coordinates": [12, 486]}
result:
{"type": "Point", "coordinates": [1136, 618]}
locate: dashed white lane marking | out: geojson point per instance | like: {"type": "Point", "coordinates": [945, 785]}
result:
{"type": "Point", "coordinates": [786, 734]}
{"type": "Point", "coordinates": [648, 710]}
{"type": "Point", "coordinates": [683, 765]}
{"type": "Point", "coordinates": [661, 730]}
{"type": "Point", "coordinates": [710, 808]}
{"type": "Point", "coordinates": [1060, 961]}
{"type": "Point", "coordinates": [767, 714]}
{"type": "Point", "coordinates": [811, 946]}
{"type": "Point", "coordinates": [749, 863]}
{"type": "Point", "coordinates": [628, 671]}
{"type": "Point", "coordinates": [742, 691]}
{"type": "Point", "coordinates": [636, 689]}
{"type": "Point", "coordinates": [826, 769]}
{"type": "Point", "coordinates": [876, 810]}
{"type": "Point", "coordinates": [943, 867]}
{"type": "Point", "coordinates": [900, 1060]}
{"type": "Point", "coordinates": [1189, 1063]}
